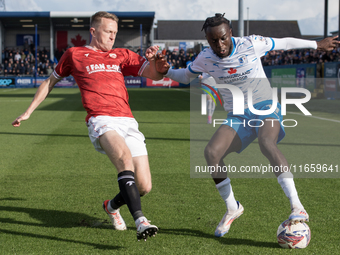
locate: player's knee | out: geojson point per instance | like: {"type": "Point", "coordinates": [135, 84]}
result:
{"type": "Point", "coordinates": [145, 189]}
{"type": "Point", "coordinates": [211, 154]}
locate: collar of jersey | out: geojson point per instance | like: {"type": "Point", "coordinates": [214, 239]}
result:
{"type": "Point", "coordinates": [91, 48]}
{"type": "Point", "coordinates": [234, 46]}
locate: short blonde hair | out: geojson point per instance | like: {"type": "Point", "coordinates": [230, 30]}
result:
{"type": "Point", "coordinates": [97, 18]}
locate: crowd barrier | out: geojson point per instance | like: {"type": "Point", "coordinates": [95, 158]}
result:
{"type": "Point", "coordinates": [332, 80]}
{"type": "Point", "coordinates": [69, 82]}
{"type": "Point", "coordinates": [303, 75]}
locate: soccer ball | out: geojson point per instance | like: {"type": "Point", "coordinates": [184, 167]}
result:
{"type": "Point", "coordinates": [293, 235]}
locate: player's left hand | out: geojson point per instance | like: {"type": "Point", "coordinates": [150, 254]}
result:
{"type": "Point", "coordinates": [328, 44]}
{"type": "Point", "coordinates": [151, 52]}
{"type": "Point", "coordinates": [17, 121]}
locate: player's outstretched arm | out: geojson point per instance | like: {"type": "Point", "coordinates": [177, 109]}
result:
{"type": "Point", "coordinates": [329, 43]}
{"type": "Point", "coordinates": [151, 71]}
{"type": "Point", "coordinates": [42, 92]}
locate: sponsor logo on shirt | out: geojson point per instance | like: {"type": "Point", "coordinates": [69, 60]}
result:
{"type": "Point", "coordinates": [102, 68]}
{"type": "Point", "coordinates": [262, 39]}
{"type": "Point", "coordinates": [234, 76]}
{"type": "Point", "coordinates": [232, 71]}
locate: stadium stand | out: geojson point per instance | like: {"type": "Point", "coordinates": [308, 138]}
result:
{"type": "Point", "coordinates": [61, 30]}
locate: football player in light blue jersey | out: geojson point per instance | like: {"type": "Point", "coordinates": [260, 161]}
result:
{"type": "Point", "coordinates": [236, 61]}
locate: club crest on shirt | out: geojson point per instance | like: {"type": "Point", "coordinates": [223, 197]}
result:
{"type": "Point", "coordinates": [243, 59]}
{"type": "Point", "coordinates": [112, 55]}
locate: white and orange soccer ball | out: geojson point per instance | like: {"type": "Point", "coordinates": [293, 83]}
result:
{"type": "Point", "coordinates": [293, 235]}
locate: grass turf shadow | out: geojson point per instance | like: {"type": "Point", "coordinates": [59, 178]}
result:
{"type": "Point", "coordinates": [51, 218]}
{"type": "Point", "coordinates": [54, 219]}
{"type": "Point", "coordinates": [223, 240]}
{"type": "Point", "coordinates": [53, 238]}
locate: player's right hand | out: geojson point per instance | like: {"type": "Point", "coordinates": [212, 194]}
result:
{"type": "Point", "coordinates": [162, 66]}
{"type": "Point", "coordinates": [151, 52]}
{"type": "Point", "coordinates": [18, 120]}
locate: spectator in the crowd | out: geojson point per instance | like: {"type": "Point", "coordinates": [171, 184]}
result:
{"type": "Point", "coordinates": [29, 70]}
{"type": "Point", "coordinates": [43, 58]}
{"type": "Point", "coordinates": [22, 69]}
{"type": "Point", "coordinates": [10, 56]}
{"type": "Point", "coordinates": [49, 70]}
{"type": "Point", "coordinates": [174, 64]}
{"type": "Point", "coordinates": [16, 70]}
{"type": "Point", "coordinates": [9, 69]}
{"type": "Point", "coordinates": [3, 56]}
{"type": "Point", "coordinates": [30, 55]}
{"type": "Point", "coordinates": [45, 65]}
{"type": "Point", "coordinates": [38, 71]}
{"type": "Point", "coordinates": [17, 56]}
{"type": "Point", "coordinates": [23, 55]}
{"type": "Point", "coordinates": [5, 64]}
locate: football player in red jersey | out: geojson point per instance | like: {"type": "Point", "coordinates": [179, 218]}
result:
{"type": "Point", "coordinates": [99, 72]}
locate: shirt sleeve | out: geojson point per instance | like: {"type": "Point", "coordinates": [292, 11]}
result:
{"type": "Point", "coordinates": [181, 75]}
{"type": "Point", "coordinates": [261, 44]}
{"type": "Point", "coordinates": [133, 64]}
{"type": "Point", "coordinates": [197, 66]}
{"type": "Point", "coordinates": [264, 44]}
{"type": "Point", "coordinates": [65, 65]}
{"type": "Point", "coordinates": [288, 43]}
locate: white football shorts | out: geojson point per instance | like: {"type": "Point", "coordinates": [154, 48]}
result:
{"type": "Point", "coordinates": [124, 126]}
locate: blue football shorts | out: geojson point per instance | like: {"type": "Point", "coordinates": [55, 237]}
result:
{"type": "Point", "coordinates": [247, 125]}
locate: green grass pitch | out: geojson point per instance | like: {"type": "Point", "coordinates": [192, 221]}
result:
{"type": "Point", "coordinates": [53, 182]}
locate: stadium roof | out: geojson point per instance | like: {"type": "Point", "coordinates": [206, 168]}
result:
{"type": "Point", "coordinates": [191, 29]}
{"type": "Point", "coordinates": [71, 20]}
{"type": "Point", "coordinates": [270, 28]}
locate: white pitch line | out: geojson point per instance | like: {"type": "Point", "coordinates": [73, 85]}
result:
{"type": "Point", "coordinates": [315, 117]}
{"type": "Point", "coordinates": [6, 90]}
{"type": "Point", "coordinates": [183, 90]}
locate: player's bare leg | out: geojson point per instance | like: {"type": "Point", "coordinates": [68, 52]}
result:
{"type": "Point", "coordinates": [116, 149]}
{"type": "Point", "coordinates": [267, 137]}
{"type": "Point", "coordinates": [118, 152]}
{"type": "Point", "coordinates": [224, 141]}
{"type": "Point", "coordinates": [142, 174]}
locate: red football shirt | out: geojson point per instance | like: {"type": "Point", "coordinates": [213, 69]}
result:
{"type": "Point", "coordinates": [100, 78]}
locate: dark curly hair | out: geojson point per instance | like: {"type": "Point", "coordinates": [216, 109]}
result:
{"type": "Point", "coordinates": [217, 20]}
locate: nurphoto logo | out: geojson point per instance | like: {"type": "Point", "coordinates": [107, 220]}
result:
{"type": "Point", "coordinates": [238, 102]}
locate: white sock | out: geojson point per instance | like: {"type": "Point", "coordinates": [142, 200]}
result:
{"type": "Point", "coordinates": [210, 107]}
{"type": "Point", "coordinates": [213, 106]}
{"type": "Point", "coordinates": [287, 184]}
{"type": "Point", "coordinates": [139, 220]}
{"type": "Point", "coordinates": [227, 194]}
